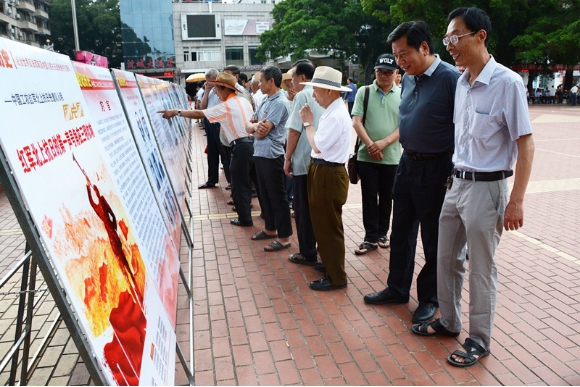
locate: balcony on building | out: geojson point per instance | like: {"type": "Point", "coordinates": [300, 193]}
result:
{"type": "Point", "coordinates": [40, 13]}
{"type": "Point", "coordinates": [27, 25]}
{"type": "Point", "coordinates": [25, 6]}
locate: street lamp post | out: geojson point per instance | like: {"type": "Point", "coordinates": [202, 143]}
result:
{"type": "Point", "coordinates": [75, 29]}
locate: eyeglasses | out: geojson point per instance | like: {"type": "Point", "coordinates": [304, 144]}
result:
{"type": "Point", "coordinates": [385, 73]}
{"type": "Point", "coordinates": [454, 38]}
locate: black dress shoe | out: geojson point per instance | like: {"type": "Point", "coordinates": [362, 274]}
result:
{"type": "Point", "coordinates": [320, 267]}
{"type": "Point", "coordinates": [425, 312]}
{"type": "Point", "coordinates": [384, 297]}
{"type": "Point", "coordinates": [237, 222]}
{"type": "Point", "coordinates": [324, 284]}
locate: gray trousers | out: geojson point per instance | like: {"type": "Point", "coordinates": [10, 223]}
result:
{"type": "Point", "coordinates": [472, 212]}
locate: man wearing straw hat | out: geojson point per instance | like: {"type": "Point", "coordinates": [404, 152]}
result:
{"type": "Point", "coordinates": [233, 114]}
{"type": "Point", "coordinates": [327, 177]}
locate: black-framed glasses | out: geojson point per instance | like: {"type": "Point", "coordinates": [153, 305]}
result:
{"type": "Point", "coordinates": [454, 38]}
{"type": "Point", "coordinates": [385, 73]}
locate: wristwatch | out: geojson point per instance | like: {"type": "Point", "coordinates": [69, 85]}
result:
{"type": "Point", "coordinates": [179, 113]}
{"type": "Point", "coordinates": [307, 124]}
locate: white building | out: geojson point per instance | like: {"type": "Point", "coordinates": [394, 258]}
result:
{"type": "Point", "coordinates": [219, 34]}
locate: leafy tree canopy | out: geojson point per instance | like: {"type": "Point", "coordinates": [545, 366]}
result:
{"type": "Point", "coordinates": [339, 27]}
{"type": "Point", "coordinates": [321, 25]}
{"type": "Point", "coordinates": [553, 36]}
{"type": "Point", "coordinates": [509, 18]}
{"type": "Point", "coordinates": [99, 28]}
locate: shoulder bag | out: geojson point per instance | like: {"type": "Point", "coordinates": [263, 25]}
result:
{"type": "Point", "coordinates": [352, 164]}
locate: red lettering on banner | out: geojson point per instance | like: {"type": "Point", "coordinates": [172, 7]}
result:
{"type": "Point", "coordinates": [23, 161]}
{"type": "Point", "coordinates": [29, 159]}
{"type": "Point", "coordinates": [89, 131]}
{"type": "Point", "coordinates": [46, 151]}
{"type": "Point", "coordinates": [34, 156]}
{"type": "Point", "coordinates": [5, 59]}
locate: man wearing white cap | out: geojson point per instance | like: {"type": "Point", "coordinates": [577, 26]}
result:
{"type": "Point", "coordinates": [327, 177]}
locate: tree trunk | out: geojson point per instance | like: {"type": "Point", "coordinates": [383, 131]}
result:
{"type": "Point", "coordinates": [531, 76]}
{"type": "Point", "coordinates": [369, 72]}
{"type": "Point", "coordinates": [568, 78]}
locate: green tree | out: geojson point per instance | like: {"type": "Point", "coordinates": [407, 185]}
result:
{"type": "Point", "coordinates": [99, 28]}
{"type": "Point", "coordinates": [509, 18]}
{"type": "Point", "coordinates": [337, 27]}
{"type": "Point", "coordinates": [544, 32]}
{"type": "Point", "coordinates": [301, 25]}
{"type": "Point", "coordinates": [552, 37]}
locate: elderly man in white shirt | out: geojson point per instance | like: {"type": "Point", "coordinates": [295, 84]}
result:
{"type": "Point", "coordinates": [327, 177]}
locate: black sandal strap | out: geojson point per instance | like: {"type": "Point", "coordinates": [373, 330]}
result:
{"type": "Point", "coordinates": [471, 345]}
{"type": "Point", "coordinates": [440, 329]}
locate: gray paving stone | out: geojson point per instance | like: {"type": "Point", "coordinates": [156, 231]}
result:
{"type": "Point", "coordinates": [51, 356]}
{"type": "Point", "coordinates": [80, 376]}
{"type": "Point", "coordinates": [59, 381]}
{"type": "Point", "coordinates": [61, 337]}
{"type": "Point", "coordinates": [40, 377]}
{"type": "Point", "coordinates": [70, 347]}
{"type": "Point", "coordinates": [66, 365]}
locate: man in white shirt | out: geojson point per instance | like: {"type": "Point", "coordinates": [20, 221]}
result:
{"type": "Point", "coordinates": [492, 130]}
{"type": "Point", "coordinates": [573, 95]}
{"type": "Point", "coordinates": [327, 177]}
{"type": "Point", "coordinates": [233, 114]}
{"type": "Point", "coordinates": [215, 149]}
{"type": "Point", "coordinates": [257, 94]}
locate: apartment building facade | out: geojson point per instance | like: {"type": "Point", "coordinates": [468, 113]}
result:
{"type": "Point", "coordinates": [26, 21]}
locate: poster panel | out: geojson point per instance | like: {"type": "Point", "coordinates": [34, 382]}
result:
{"type": "Point", "coordinates": [74, 195]}
{"type": "Point", "coordinates": [151, 158]}
{"type": "Point", "coordinates": [180, 98]}
{"type": "Point", "coordinates": [166, 139]}
{"type": "Point", "coordinates": [152, 95]}
{"type": "Point", "coordinates": [112, 130]}
{"type": "Point", "coordinates": [174, 126]}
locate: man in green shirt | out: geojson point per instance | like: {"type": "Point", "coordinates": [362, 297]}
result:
{"type": "Point", "coordinates": [379, 151]}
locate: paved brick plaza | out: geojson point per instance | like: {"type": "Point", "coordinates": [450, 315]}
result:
{"type": "Point", "coordinates": [256, 322]}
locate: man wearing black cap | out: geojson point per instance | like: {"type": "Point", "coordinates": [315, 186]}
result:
{"type": "Point", "coordinates": [379, 152]}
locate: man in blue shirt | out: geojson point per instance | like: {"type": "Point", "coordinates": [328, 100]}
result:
{"type": "Point", "coordinates": [426, 133]}
{"type": "Point", "coordinates": [270, 136]}
{"type": "Point", "coordinates": [350, 97]}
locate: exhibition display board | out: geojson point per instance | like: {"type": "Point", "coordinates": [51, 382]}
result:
{"type": "Point", "coordinates": [93, 183]}
{"type": "Point", "coordinates": [166, 131]}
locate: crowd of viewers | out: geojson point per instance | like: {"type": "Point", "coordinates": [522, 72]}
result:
{"type": "Point", "coordinates": [552, 95]}
{"type": "Point", "coordinates": [436, 148]}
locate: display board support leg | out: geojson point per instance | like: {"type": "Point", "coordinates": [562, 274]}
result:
{"type": "Point", "coordinates": [190, 376]}
{"type": "Point", "coordinates": [28, 326]}
{"type": "Point", "coordinates": [186, 234]}
{"type": "Point", "coordinates": [19, 317]}
{"type": "Point", "coordinates": [187, 289]}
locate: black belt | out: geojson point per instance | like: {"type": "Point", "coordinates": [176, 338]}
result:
{"type": "Point", "coordinates": [326, 163]}
{"type": "Point", "coordinates": [426, 156]}
{"type": "Point", "coordinates": [482, 176]}
{"type": "Point", "coordinates": [241, 140]}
